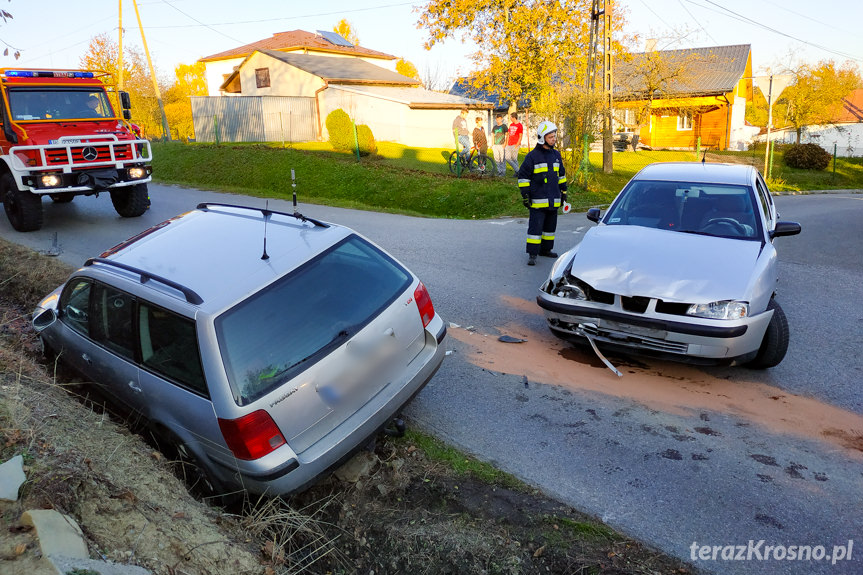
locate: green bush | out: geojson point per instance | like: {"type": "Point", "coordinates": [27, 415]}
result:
{"type": "Point", "coordinates": [807, 157]}
{"type": "Point", "coordinates": [366, 140]}
{"type": "Point", "coordinates": [341, 130]}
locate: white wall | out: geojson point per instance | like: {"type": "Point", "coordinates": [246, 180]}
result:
{"type": "Point", "coordinates": [214, 73]}
{"type": "Point", "coordinates": [285, 80]}
{"type": "Point", "coordinates": [848, 138]}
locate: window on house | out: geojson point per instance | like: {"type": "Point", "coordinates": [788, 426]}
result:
{"type": "Point", "coordinates": [684, 121]}
{"type": "Point", "coordinates": [262, 77]}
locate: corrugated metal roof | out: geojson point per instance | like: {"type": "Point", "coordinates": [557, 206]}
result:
{"type": "Point", "coordinates": [694, 71]}
{"type": "Point", "coordinates": [295, 40]}
{"type": "Point", "coordinates": [463, 87]}
{"type": "Point", "coordinates": [343, 70]}
{"type": "Point", "coordinates": [416, 97]}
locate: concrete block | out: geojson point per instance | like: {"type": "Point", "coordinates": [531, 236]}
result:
{"type": "Point", "coordinates": [67, 565]}
{"type": "Point", "coordinates": [11, 478]}
{"type": "Point", "coordinates": [58, 534]}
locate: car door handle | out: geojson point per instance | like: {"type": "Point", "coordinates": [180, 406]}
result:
{"type": "Point", "coordinates": [135, 387]}
{"type": "Point", "coordinates": [87, 359]}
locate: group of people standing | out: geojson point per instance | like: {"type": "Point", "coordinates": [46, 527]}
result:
{"type": "Point", "coordinates": [505, 139]}
{"type": "Point", "coordinates": [541, 176]}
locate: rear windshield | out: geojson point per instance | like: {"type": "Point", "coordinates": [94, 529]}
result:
{"type": "Point", "coordinates": [58, 104]}
{"type": "Point", "coordinates": [295, 322]}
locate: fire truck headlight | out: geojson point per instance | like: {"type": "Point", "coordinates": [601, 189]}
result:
{"type": "Point", "coordinates": [51, 181]}
{"type": "Point", "coordinates": [136, 173]}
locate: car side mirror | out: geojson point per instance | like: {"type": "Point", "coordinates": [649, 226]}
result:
{"type": "Point", "coordinates": [44, 319]}
{"type": "Point", "coordinates": [785, 229]}
{"type": "Point", "coordinates": [127, 114]}
{"type": "Point", "coordinates": [593, 214]}
{"type": "Point", "coordinates": [125, 101]}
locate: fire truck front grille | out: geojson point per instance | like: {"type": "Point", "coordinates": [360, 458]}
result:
{"type": "Point", "coordinates": [88, 154]}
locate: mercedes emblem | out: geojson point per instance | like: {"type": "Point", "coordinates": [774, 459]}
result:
{"type": "Point", "coordinates": [89, 153]}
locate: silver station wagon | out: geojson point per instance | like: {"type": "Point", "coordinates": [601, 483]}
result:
{"type": "Point", "coordinates": [265, 346]}
{"type": "Point", "coordinates": [681, 266]}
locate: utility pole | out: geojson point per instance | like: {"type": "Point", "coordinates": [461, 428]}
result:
{"type": "Point", "coordinates": [600, 12]}
{"type": "Point", "coordinates": [165, 130]}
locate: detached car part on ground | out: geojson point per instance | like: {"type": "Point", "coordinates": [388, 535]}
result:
{"type": "Point", "coordinates": [267, 347]}
{"type": "Point", "coordinates": [682, 266]}
{"type": "Point", "coordinates": [62, 137]}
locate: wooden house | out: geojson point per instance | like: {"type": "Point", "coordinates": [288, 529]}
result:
{"type": "Point", "coordinates": [679, 99]}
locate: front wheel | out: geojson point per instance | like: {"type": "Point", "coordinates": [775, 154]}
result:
{"type": "Point", "coordinates": [23, 209]}
{"type": "Point", "coordinates": [132, 201]}
{"type": "Point", "coordinates": [452, 163]}
{"type": "Point", "coordinates": [775, 342]}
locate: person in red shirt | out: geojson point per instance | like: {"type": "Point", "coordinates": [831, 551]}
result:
{"type": "Point", "coordinates": [513, 142]}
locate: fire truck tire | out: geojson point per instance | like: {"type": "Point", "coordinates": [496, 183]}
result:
{"type": "Point", "coordinates": [130, 202]}
{"type": "Point", "coordinates": [23, 209]}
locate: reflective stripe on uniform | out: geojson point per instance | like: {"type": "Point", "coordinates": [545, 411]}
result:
{"type": "Point", "coordinates": [534, 239]}
{"type": "Point", "coordinates": [539, 168]}
{"type": "Point", "coordinates": [539, 203]}
{"type": "Point", "coordinates": [557, 202]}
{"type": "Point", "coordinates": [561, 180]}
{"type": "Point", "coordinates": [547, 237]}
{"type": "Point", "coordinates": [523, 183]}
{"type": "Point", "coordinates": [556, 167]}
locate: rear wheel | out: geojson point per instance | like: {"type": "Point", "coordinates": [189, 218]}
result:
{"type": "Point", "coordinates": [481, 165]}
{"type": "Point", "coordinates": [132, 201]}
{"type": "Point", "coordinates": [775, 342]}
{"type": "Point", "coordinates": [452, 162]}
{"type": "Point", "coordinates": [23, 209]}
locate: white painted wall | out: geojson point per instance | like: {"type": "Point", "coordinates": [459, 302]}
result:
{"type": "Point", "coordinates": [285, 80]}
{"type": "Point", "coordinates": [848, 138]}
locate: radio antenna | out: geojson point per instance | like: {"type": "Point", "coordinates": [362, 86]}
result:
{"type": "Point", "coordinates": [294, 186]}
{"type": "Point", "coordinates": [266, 217]}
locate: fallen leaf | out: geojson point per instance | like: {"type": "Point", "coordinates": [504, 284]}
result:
{"type": "Point", "coordinates": [20, 548]}
{"type": "Point", "coordinates": [539, 552]}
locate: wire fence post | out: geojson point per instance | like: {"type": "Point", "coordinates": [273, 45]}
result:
{"type": "Point", "coordinates": [771, 146]}
{"type": "Point", "coordinates": [356, 140]}
{"type": "Point", "coordinates": [834, 163]}
{"type": "Point", "coordinates": [216, 129]}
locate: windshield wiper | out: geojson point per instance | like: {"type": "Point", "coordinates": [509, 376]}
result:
{"type": "Point", "coordinates": [701, 233]}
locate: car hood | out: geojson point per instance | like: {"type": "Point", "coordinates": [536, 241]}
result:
{"type": "Point", "coordinates": [672, 266]}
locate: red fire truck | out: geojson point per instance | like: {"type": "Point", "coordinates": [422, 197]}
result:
{"type": "Point", "coordinates": [66, 133]}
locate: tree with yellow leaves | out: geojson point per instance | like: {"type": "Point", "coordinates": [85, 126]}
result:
{"type": "Point", "coordinates": [525, 46]}
{"type": "Point", "coordinates": [190, 81]}
{"type": "Point", "coordinates": [406, 68]}
{"type": "Point", "coordinates": [346, 30]}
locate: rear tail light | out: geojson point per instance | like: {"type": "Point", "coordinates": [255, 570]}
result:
{"type": "Point", "coordinates": [252, 436]}
{"type": "Point", "coordinates": [424, 304]}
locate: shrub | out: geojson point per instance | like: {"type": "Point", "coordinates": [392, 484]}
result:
{"type": "Point", "coordinates": [807, 157]}
{"type": "Point", "coordinates": [341, 130]}
{"type": "Point", "coordinates": [366, 140]}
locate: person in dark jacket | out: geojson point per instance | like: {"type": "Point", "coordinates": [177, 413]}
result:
{"type": "Point", "coordinates": [542, 183]}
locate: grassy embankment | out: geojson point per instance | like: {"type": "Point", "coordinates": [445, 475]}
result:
{"type": "Point", "coordinates": [416, 181]}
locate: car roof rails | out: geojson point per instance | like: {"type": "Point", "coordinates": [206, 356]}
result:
{"type": "Point", "coordinates": [191, 296]}
{"type": "Point", "coordinates": [265, 211]}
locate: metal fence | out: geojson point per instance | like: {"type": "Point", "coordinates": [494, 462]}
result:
{"type": "Point", "coordinates": [254, 119]}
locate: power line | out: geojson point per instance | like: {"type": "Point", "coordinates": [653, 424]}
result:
{"type": "Point", "coordinates": [201, 23]}
{"type": "Point", "coordinates": [336, 13]}
{"type": "Point", "coordinates": [682, 5]}
{"type": "Point", "coordinates": [747, 20]}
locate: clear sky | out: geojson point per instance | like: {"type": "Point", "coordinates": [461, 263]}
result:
{"type": "Point", "coordinates": [56, 33]}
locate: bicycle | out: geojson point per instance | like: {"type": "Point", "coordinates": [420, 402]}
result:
{"type": "Point", "coordinates": [480, 165]}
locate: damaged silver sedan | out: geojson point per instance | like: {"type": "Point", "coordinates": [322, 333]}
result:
{"type": "Point", "coordinates": [682, 266]}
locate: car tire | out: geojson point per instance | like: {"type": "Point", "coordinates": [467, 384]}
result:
{"type": "Point", "coordinates": [188, 467]}
{"type": "Point", "coordinates": [62, 198]}
{"type": "Point", "coordinates": [23, 209]}
{"type": "Point", "coordinates": [775, 342]}
{"type": "Point", "coordinates": [130, 202]}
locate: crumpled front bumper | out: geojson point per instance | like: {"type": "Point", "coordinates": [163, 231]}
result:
{"type": "Point", "coordinates": [652, 333]}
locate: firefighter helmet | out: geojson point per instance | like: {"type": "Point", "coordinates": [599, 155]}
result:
{"type": "Point", "coordinates": [543, 130]}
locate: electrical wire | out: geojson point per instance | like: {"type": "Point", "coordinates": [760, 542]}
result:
{"type": "Point", "coordinates": [682, 5]}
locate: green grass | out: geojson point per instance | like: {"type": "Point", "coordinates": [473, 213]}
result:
{"type": "Point", "coordinates": [417, 181]}
{"type": "Point", "coordinates": [462, 464]}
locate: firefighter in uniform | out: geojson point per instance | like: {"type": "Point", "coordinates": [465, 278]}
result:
{"type": "Point", "coordinates": [542, 183]}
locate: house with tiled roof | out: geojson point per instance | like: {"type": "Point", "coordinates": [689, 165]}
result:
{"type": "Point", "coordinates": [219, 66]}
{"type": "Point", "coordinates": [275, 95]}
{"type": "Point", "coordinates": [684, 98]}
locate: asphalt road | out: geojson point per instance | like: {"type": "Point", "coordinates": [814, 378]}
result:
{"type": "Point", "coordinates": [674, 456]}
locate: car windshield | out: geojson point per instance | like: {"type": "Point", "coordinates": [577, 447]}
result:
{"type": "Point", "coordinates": [709, 209]}
{"type": "Point", "coordinates": [63, 104]}
{"type": "Point", "coordinates": [293, 323]}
